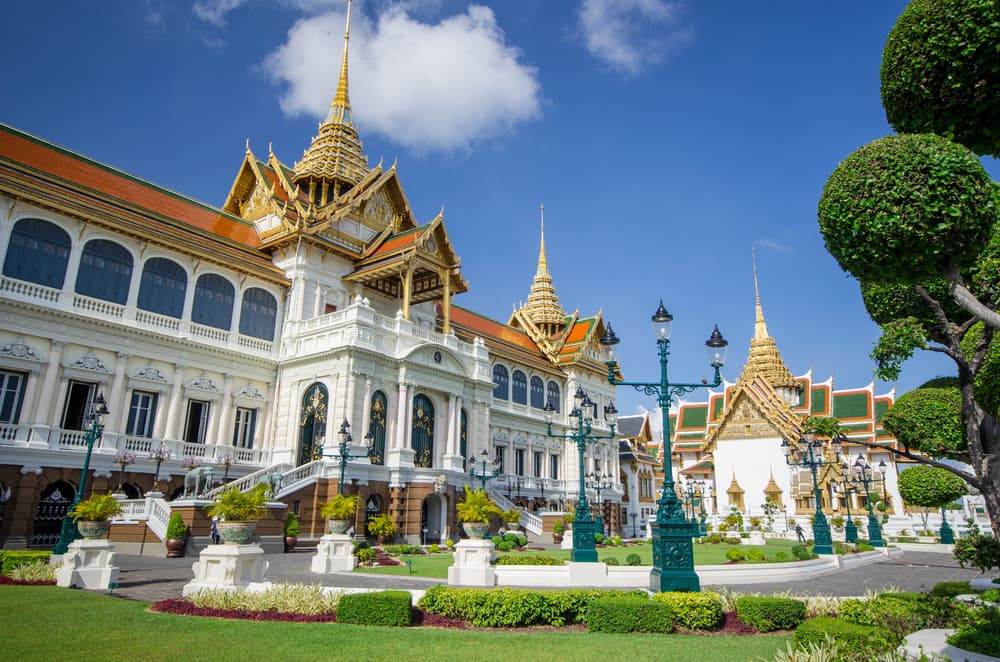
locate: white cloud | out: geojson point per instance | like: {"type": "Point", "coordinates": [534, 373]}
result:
{"type": "Point", "coordinates": [214, 11]}
{"type": "Point", "coordinates": [773, 245]}
{"type": "Point", "coordinates": [632, 35]}
{"type": "Point", "coordinates": [428, 87]}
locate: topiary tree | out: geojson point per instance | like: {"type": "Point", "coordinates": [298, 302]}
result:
{"type": "Point", "coordinates": [929, 488]}
{"type": "Point", "coordinates": [940, 73]}
{"type": "Point", "coordinates": [915, 219]}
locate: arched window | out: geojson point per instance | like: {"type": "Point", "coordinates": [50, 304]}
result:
{"type": "Point", "coordinates": [501, 382]}
{"type": "Point", "coordinates": [463, 440]}
{"type": "Point", "coordinates": [537, 392]}
{"type": "Point", "coordinates": [213, 302]}
{"type": "Point", "coordinates": [164, 283]}
{"type": "Point", "coordinates": [376, 426]}
{"type": "Point", "coordinates": [423, 432]}
{"type": "Point", "coordinates": [553, 395]}
{"type": "Point", "coordinates": [105, 271]}
{"type": "Point", "coordinates": [258, 314]}
{"type": "Point", "coordinates": [38, 253]}
{"type": "Point", "coordinates": [312, 422]}
{"type": "Point", "coordinates": [519, 387]}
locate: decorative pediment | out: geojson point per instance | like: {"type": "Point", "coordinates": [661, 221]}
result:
{"type": "Point", "coordinates": [754, 411]}
{"type": "Point", "coordinates": [151, 374]}
{"type": "Point", "coordinates": [250, 391]}
{"type": "Point", "coordinates": [90, 362]}
{"type": "Point", "coordinates": [203, 383]}
{"type": "Point", "coordinates": [19, 350]}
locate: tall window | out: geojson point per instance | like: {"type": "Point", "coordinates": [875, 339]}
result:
{"type": "Point", "coordinates": [162, 289]}
{"type": "Point", "coordinates": [554, 467]}
{"type": "Point", "coordinates": [376, 425]}
{"type": "Point", "coordinates": [245, 427]}
{"type": "Point", "coordinates": [553, 396]}
{"type": "Point", "coordinates": [196, 426]}
{"type": "Point", "coordinates": [537, 462]}
{"type": "Point", "coordinates": [258, 314]}
{"type": "Point", "coordinates": [501, 461]}
{"type": "Point", "coordinates": [463, 439]}
{"type": "Point", "coordinates": [423, 431]}
{"type": "Point", "coordinates": [501, 382]}
{"type": "Point", "coordinates": [79, 401]}
{"type": "Point", "coordinates": [213, 302]}
{"type": "Point", "coordinates": [38, 253]}
{"type": "Point", "coordinates": [11, 394]}
{"type": "Point", "coordinates": [519, 387]}
{"type": "Point", "coordinates": [537, 392]}
{"type": "Point", "coordinates": [141, 414]}
{"type": "Point", "coordinates": [519, 461]}
{"type": "Point", "coordinates": [105, 271]}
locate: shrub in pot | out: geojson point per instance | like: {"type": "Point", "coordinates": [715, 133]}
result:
{"type": "Point", "coordinates": [557, 530]}
{"type": "Point", "coordinates": [238, 512]}
{"type": "Point", "coordinates": [92, 515]}
{"type": "Point", "coordinates": [340, 510]}
{"type": "Point", "coordinates": [291, 532]}
{"type": "Point", "coordinates": [474, 512]}
{"type": "Point", "coordinates": [176, 536]}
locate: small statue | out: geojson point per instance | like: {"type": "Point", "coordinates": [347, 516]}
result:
{"type": "Point", "coordinates": [198, 481]}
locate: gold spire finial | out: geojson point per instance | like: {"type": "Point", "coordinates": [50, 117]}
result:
{"type": "Point", "coordinates": [765, 359]}
{"type": "Point", "coordinates": [340, 109]}
{"type": "Point", "coordinates": [759, 326]}
{"type": "Point", "coordinates": [543, 305]}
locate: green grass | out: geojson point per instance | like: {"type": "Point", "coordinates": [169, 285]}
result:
{"type": "Point", "coordinates": [436, 565]}
{"type": "Point", "coordinates": [43, 621]}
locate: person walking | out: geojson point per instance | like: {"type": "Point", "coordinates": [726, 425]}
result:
{"type": "Point", "coordinates": [798, 532]}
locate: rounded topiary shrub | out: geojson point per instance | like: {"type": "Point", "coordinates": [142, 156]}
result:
{"type": "Point", "coordinates": [940, 72]}
{"type": "Point", "coordinates": [906, 208]}
{"type": "Point", "coordinates": [768, 614]}
{"type": "Point", "coordinates": [694, 611]}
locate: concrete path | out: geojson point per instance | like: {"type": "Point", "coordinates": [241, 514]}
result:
{"type": "Point", "coordinates": [148, 579]}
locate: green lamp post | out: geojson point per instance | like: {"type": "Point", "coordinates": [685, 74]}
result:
{"type": "Point", "coordinates": [344, 450]}
{"type": "Point", "coordinates": [673, 552]}
{"type": "Point", "coordinates": [864, 475]}
{"type": "Point", "coordinates": [484, 470]}
{"type": "Point", "coordinates": [69, 532]}
{"type": "Point", "coordinates": [584, 526]}
{"type": "Point", "coordinates": [812, 457]}
{"type": "Point", "coordinates": [850, 529]}
{"type": "Point", "coordinates": [599, 483]}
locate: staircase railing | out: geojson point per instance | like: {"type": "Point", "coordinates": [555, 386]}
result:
{"type": "Point", "coordinates": [530, 521]}
{"type": "Point", "coordinates": [294, 479]}
{"type": "Point", "coordinates": [247, 482]}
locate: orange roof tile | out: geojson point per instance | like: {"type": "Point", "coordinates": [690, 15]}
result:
{"type": "Point", "coordinates": [62, 163]}
{"type": "Point", "coordinates": [491, 328]}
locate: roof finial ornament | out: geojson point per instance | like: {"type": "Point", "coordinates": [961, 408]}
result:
{"type": "Point", "coordinates": [340, 109]}
{"type": "Point", "coordinates": [543, 307]}
{"type": "Point", "coordinates": [759, 326]}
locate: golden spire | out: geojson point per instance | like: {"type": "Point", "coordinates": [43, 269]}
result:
{"type": "Point", "coordinates": [335, 157]}
{"type": "Point", "coordinates": [764, 358]}
{"type": "Point", "coordinates": [543, 306]}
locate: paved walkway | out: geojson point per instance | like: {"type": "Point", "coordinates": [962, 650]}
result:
{"type": "Point", "coordinates": [148, 578]}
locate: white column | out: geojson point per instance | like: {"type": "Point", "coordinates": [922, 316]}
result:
{"type": "Point", "coordinates": [43, 413]}
{"type": "Point", "coordinates": [116, 401]}
{"type": "Point", "coordinates": [174, 408]}
{"type": "Point", "coordinates": [318, 301]}
{"type": "Point", "coordinates": [458, 426]}
{"type": "Point", "coordinates": [30, 403]}
{"type": "Point", "coordinates": [366, 407]}
{"type": "Point", "coordinates": [264, 418]}
{"type": "Point", "coordinates": [401, 426]}
{"type": "Point", "coordinates": [72, 268]}
{"type": "Point", "coordinates": [349, 408]}
{"type": "Point", "coordinates": [449, 446]}
{"type": "Point", "coordinates": [133, 290]}
{"type": "Point", "coordinates": [224, 434]}
{"type": "Point", "coordinates": [408, 420]}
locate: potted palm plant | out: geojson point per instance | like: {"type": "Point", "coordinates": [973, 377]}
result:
{"type": "Point", "coordinates": [92, 515]}
{"type": "Point", "coordinates": [176, 536]}
{"type": "Point", "coordinates": [291, 532]}
{"type": "Point", "coordinates": [382, 527]}
{"type": "Point", "coordinates": [474, 513]}
{"type": "Point", "coordinates": [238, 512]}
{"type": "Point", "coordinates": [340, 511]}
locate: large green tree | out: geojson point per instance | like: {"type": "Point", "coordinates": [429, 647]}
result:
{"type": "Point", "coordinates": [915, 219]}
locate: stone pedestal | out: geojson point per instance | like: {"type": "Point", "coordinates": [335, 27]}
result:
{"type": "Point", "coordinates": [334, 553]}
{"type": "Point", "coordinates": [472, 564]}
{"type": "Point", "coordinates": [567, 541]}
{"type": "Point", "coordinates": [756, 538]}
{"type": "Point", "coordinates": [227, 567]}
{"type": "Point", "coordinates": [87, 564]}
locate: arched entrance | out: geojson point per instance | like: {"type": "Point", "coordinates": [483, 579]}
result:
{"type": "Point", "coordinates": [52, 508]}
{"type": "Point", "coordinates": [373, 508]}
{"type": "Point", "coordinates": [312, 423]}
{"type": "Point", "coordinates": [433, 519]}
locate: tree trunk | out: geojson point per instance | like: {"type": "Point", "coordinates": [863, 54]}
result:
{"type": "Point", "coordinates": [984, 448]}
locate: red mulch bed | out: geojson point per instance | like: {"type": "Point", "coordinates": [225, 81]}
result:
{"type": "Point", "coordinates": [733, 625]}
{"type": "Point", "coordinates": [4, 579]}
{"type": "Point", "coordinates": [182, 607]}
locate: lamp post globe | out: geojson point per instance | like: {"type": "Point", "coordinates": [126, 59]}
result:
{"type": "Point", "coordinates": [344, 450]}
{"type": "Point", "coordinates": [673, 552]}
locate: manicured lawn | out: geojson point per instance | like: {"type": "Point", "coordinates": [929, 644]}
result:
{"type": "Point", "coordinates": [436, 565]}
{"type": "Point", "coordinates": [41, 622]}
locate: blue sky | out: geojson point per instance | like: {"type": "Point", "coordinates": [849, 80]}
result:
{"type": "Point", "coordinates": [665, 139]}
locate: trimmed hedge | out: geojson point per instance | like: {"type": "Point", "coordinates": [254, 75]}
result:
{"type": "Point", "coordinates": [528, 560]}
{"type": "Point", "coordinates": [855, 643]}
{"type": "Point", "coordinates": [380, 608]}
{"type": "Point", "coordinates": [951, 589]}
{"type": "Point", "coordinates": [11, 559]}
{"type": "Point", "coordinates": [694, 611]}
{"type": "Point", "coordinates": [769, 614]}
{"type": "Point", "coordinates": [619, 615]}
{"type": "Point", "coordinates": [515, 607]}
